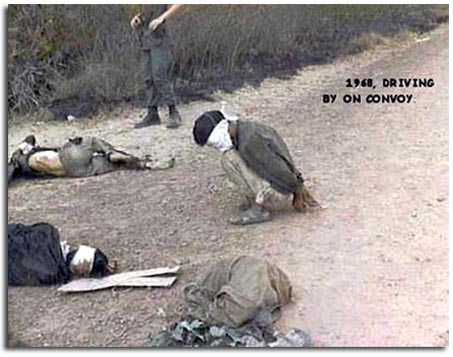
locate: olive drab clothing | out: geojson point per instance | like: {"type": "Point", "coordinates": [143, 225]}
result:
{"type": "Point", "coordinates": [151, 39]}
{"type": "Point", "coordinates": [157, 58]}
{"type": "Point", "coordinates": [267, 155]}
{"type": "Point", "coordinates": [249, 183]}
{"type": "Point", "coordinates": [235, 290]}
{"type": "Point", "coordinates": [78, 157]}
{"type": "Point", "coordinates": [87, 156]}
{"type": "Point", "coordinates": [156, 68]}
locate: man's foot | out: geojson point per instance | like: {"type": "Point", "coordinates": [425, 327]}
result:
{"type": "Point", "coordinates": [159, 165]}
{"type": "Point", "coordinates": [152, 118]}
{"type": "Point", "coordinates": [255, 214]}
{"type": "Point", "coordinates": [175, 118]}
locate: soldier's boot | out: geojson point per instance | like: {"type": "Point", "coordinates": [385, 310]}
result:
{"type": "Point", "coordinates": [151, 118]}
{"type": "Point", "coordinates": [255, 214]}
{"type": "Point", "coordinates": [175, 118]}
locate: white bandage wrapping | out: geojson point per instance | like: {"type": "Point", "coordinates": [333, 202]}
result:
{"type": "Point", "coordinates": [25, 147]}
{"type": "Point", "coordinates": [227, 113]}
{"type": "Point", "coordinates": [220, 138]}
{"type": "Point", "coordinates": [82, 262]}
{"type": "Point", "coordinates": [65, 248]}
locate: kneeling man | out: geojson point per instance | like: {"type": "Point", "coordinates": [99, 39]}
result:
{"type": "Point", "coordinates": [256, 159]}
{"type": "Point", "coordinates": [79, 157]}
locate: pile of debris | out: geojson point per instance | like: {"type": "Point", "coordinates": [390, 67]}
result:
{"type": "Point", "coordinates": [195, 333]}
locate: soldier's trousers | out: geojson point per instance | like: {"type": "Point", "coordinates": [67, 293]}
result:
{"type": "Point", "coordinates": [250, 184]}
{"type": "Point", "coordinates": [156, 66]}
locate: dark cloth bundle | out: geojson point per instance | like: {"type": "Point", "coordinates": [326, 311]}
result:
{"type": "Point", "coordinates": [35, 256]}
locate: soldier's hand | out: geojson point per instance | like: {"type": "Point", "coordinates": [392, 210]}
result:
{"type": "Point", "coordinates": [155, 23]}
{"type": "Point", "coordinates": [136, 21]}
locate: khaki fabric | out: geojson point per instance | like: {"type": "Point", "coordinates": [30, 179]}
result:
{"type": "Point", "coordinates": [48, 162]}
{"type": "Point", "coordinates": [79, 157]}
{"type": "Point", "coordinates": [234, 291]}
{"type": "Point", "coordinates": [87, 157]}
{"type": "Point", "coordinates": [250, 184]}
{"type": "Point", "coordinates": [266, 153]}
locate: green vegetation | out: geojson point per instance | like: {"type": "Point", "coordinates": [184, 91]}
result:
{"type": "Point", "coordinates": [89, 53]}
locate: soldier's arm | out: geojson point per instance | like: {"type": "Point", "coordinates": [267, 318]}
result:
{"type": "Point", "coordinates": [171, 11]}
{"type": "Point", "coordinates": [101, 146]}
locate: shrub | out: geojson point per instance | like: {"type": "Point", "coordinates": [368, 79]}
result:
{"type": "Point", "coordinates": [88, 52]}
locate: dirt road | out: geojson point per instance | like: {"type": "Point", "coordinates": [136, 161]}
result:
{"type": "Point", "coordinates": [371, 269]}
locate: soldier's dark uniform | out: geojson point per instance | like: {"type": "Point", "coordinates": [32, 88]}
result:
{"type": "Point", "coordinates": [157, 62]}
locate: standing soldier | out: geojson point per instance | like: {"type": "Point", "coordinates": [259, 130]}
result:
{"type": "Point", "coordinates": [157, 62]}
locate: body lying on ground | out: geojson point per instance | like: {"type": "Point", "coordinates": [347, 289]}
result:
{"type": "Point", "coordinates": [37, 257]}
{"type": "Point", "coordinates": [78, 157]}
{"type": "Point", "coordinates": [257, 161]}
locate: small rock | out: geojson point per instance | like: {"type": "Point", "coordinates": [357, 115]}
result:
{"type": "Point", "coordinates": [160, 312]}
{"type": "Point", "coordinates": [294, 338]}
{"type": "Point", "coordinates": [217, 331]}
{"type": "Point", "coordinates": [250, 341]}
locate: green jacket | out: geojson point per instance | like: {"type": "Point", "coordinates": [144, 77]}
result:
{"type": "Point", "coordinates": [151, 39]}
{"type": "Point", "coordinates": [80, 157]}
{"type": "Point", "coordinates": [87, 156]}
{"type": "Point", "coordinates": [265, 152]}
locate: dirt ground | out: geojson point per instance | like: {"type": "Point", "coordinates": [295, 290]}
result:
{"type": "Point", "coordinates": [370, 269]}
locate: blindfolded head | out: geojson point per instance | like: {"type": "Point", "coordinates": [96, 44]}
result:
{"type": "Point", "coordinates": [211, 129]}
